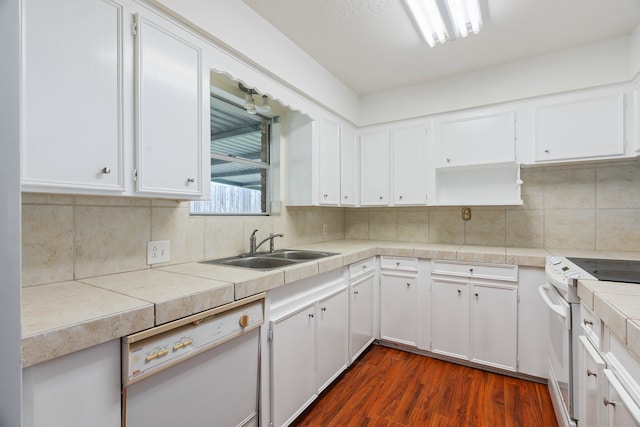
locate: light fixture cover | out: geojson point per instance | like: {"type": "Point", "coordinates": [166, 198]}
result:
{"type": "Point", "coordinates": [442, 20]}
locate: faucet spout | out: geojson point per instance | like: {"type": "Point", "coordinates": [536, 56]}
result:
{"type": "Point", "coordinates": [252, 242]}
{"type": "Point", "coordinates": [271, 244]}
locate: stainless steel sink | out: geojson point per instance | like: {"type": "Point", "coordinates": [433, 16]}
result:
{"type": "Point", "coordinates": [261, 262]}
{"type": "Point", "coordinates": [299, 255]}
{"type": "Point", "coordinates": [271, 260]}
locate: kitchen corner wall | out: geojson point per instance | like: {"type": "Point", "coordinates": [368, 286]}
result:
{"type": "Point", "coordinates": [593, 207]}
{"type": "Point", "coordinates": [74, 237]}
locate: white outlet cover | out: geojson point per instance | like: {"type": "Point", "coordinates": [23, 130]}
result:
{"type": "Point", "coordinates": [158, 251]}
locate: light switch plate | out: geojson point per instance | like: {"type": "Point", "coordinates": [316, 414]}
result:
{"type": "Point", "coordinates": [158, 251]}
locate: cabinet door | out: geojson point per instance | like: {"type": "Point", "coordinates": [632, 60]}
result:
{"type": "Point", "coordinates": [410, 165]}
{"type": "Point", "coordinates": [374, 168]}
{"type": "Point", "coordinates": [169, 109]}
{"type": "Point", "coordinates": [348, 167]}
{"type": "Point", "coordinates": [293, 354]}
{"type": "Point", "coordinates": [580, 128]}
{"type": "Point", "coordinates": [398, 309]}
{"type": "Point", "coordinates": [621, 410]}
{"type": "Point", "coordinates": [590, 385]}
{"type": "Point", "coordinates": [329, 162]}
{"type": "Point", "coordinates": [450, 318]}
{"type": "Point", "coordinates": [73, 137]}
{"type": "Point", "coordinates": [332, 324]}
{"type": "Point", "coordinates": [475, 138]}
{"type": "Point", "coordinates": [495, 325]}
{"type": "Point", "coordinates": [361, 314]}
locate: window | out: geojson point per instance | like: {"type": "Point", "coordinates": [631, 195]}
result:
{"type": "Point", "coordinates": [240, 161]}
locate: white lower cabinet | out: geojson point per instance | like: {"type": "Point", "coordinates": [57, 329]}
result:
{"type": "Point", "coordinates": [399, 300]}
{"type": "Point", "coordinates": [308, 351]}
{"type": "Point", "coordinates": [77, 390]}
{"type": "Point", "coordinates": [590, 383]}
{"type": "Point", "coordinates": [474, 313]}
{"type": "Point", "coordinates": [361, 309]}
{"type": "Point", "coordinates": [450, 318]}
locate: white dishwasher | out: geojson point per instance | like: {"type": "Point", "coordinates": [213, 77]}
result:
{"type": "Point", "coordinates": [200, 371]}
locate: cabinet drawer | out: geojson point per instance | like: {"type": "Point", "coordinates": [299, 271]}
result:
{"type": "Point", "coordinates": [398, 263]}
{"type": "Point", "coordinates": [484, 271]}
{"type": "Point", "coordinates": [362, 267]}
{"type": "Point", "coordinates": [591, 326]}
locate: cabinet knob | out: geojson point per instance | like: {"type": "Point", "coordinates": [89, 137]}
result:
{"type": "Point", "coordinates": [400, 197]}
{"type": "Point", "coordinates": [476, 294]}
{"type": "Point", "coordinates": [408, 285]}
{"type": "Point", "coordinates": [608, 402]}
{"type": "Point", "coordinates": [346, 197]}
{"type": "Point", "coordinates": [325, 195]}
{"type": "Point", "coordinates": [323, 309]}
{"type": "Point", "coordinates": [191, 179]}
{"type": "Point", "coordinates": [355, 292]}
{"type": "Point", "coordinates": [471, 270]}
{"type": "Point", "coordinates": [397, 263]}
{"type": "Point", "coordinates": [546, 151]}
{"type": "Point", "coordinates": [311, 316]}
{"type": "Point", "coordinates": [244, 320]}
{"type": "Point", "coordinates": [459, 292]}
{"type": "Point", "coordinates": [590, 373]}
{"type": "Point", "coordinates": [380, 197]}
{"type": "Point", "coordinates": [587, 322]}
{"type": "Point", "coordinates": [448, 160]}
{"type": "Point", "coordinates": [105, 170]}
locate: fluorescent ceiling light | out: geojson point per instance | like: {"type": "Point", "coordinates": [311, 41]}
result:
{"type": "Point", "coordinates": [442, 20]}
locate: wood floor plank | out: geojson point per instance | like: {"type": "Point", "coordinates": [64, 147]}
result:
{"type": "Point", "coordinates": [392, 388]}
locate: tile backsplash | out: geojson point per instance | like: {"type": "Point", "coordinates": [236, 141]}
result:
{"type": "Point", "coordinates": [593, 207]}
{"type": "Point", "coordinates": [580, 207]}
{"type": "Point", "coordinates": [73, 237]}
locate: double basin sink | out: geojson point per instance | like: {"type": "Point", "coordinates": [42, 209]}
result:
{"type": "Point", "coordinates": [271, 260]}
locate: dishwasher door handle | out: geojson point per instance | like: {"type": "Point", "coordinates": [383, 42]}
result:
{"type": "Point", "coordinates": [559, 309]}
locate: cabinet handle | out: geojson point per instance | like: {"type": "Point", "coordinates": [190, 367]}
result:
{"type": "Point", "coordinates": [608, 402]}
{"type": "Point", "coordinates": [191, 179]}
{"type": "Point", "coordinates": [323, 309]}
{"type": "Point", "coordinates": [105, 170]}
{"type": "Point", "coordinates": [587, 322]}
{"type": "Point", "coordinates": [590, 373]}
{"type": "Point", "coordinates": [311, 316]}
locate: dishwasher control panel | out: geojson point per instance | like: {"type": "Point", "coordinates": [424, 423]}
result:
{"type": "Point", "coordinates": [141, 358]}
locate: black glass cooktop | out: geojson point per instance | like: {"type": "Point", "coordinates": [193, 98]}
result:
{"type": "Point", "coordinates": [613, 270]}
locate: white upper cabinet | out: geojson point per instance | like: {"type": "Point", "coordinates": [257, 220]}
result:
{"type": "Point", "coordinates": [73, 64]}
{"type": "Point", "coordinates": [475, 137]}
{"type": "Point", "coordinates": [169, 109]}
{"type": "Point", "coordinates": [584, 126]}
{"type": "Point", "coordinates": [329, 162]}
{"type": "Point", "coordinates": [348, 167]}
{"type": "Point", "coordinates": [410, 173]}
{"type": "Point", "coordinates": [374, 167]}
{"type": "Point", "coordinates": [83, 74]}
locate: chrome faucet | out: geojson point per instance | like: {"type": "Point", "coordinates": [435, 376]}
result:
{"type": "Point", "coordinates": [253, 247]}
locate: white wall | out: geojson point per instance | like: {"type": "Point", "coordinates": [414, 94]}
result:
{"type": "Point", "coordinates": [634, 52]}
{"type": "Point", "coordinates": [587, 66]}
{"type": "Point", "coordinates": [10, 334]}
{"type": "Point", "coordinates": [227, 23]}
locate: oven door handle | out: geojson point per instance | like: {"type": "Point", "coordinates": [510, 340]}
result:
{"type": "Point", "coordinates": [556, 308]}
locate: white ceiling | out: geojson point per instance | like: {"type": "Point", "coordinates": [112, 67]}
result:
{"type": "Point", "coordinates": [372, 45]}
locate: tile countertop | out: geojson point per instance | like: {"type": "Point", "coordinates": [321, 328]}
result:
{"type": "Point", "coordinates": [618, 306]}
{"type": "Point", "coordinates": [61, 318]}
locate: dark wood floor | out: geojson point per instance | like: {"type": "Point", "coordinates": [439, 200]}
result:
{"type": "Point", "coordinates": [392, 388]}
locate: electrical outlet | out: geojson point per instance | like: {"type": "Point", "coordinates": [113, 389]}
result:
{"type": "Point", "coordinates": [324, 229]}
{"type": "Point", "coordinates": [158, 251]}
